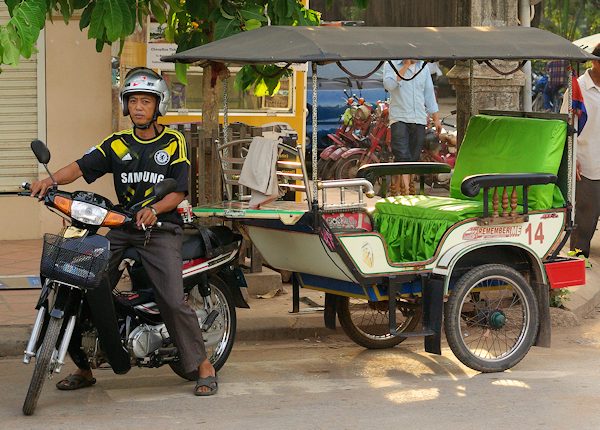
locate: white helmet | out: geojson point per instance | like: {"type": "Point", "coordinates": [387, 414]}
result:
{"type": "Point", "coordinates": [144, 80]}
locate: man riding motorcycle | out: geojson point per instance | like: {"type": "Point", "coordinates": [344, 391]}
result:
{"type": "Point", "coordinates": [139, 158]}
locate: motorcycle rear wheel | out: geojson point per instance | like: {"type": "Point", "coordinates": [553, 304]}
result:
{"type": "Point", "coordinates": [42, 365]}
{"type": "Point", "coordinates": [221, 334]}
{"type": "Point", "coordinates": [325, 168]}
{"type": "Point", "coordinates": [347, 168]}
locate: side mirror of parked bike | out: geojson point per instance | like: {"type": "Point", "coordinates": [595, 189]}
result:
{"type": "Point", "coordinates": [164, 187]}
{"type": "Point", "coordinates": [41, 151]}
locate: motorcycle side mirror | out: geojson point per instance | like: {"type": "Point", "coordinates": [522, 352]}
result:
{"type": "Point", "coordinates": [41, 151]}
{"type": "Point", "coordinates": [164, 187]}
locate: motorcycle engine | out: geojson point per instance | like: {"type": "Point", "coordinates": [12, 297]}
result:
{"type": "Point", "coordinates": [146, 339]}
{"type": "Point", "coordinates": [89, 344]}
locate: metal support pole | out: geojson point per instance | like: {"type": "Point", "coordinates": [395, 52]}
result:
{"type": "Point", "coordinates": [571, 139]}
{"type": "Point", "coordinates": [225, 155]}
{"type": "Point", "coordinates": [295, 294]}
{"type": "Point", "coordinates": [525, 18]}
{"type": "Point", "coordinates": [392, 291]}
{"type": "Point", "coordinates": [315, 196]}
{"type": "Point", "coordinates": [471, 90]}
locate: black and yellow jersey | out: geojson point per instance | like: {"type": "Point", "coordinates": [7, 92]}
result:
{"type": "Point", "coordinates": [137, 165]}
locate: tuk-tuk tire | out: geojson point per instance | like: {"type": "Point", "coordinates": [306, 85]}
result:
{"type": "Point", "coordinates": [363, 339]}
{"type": "Point", "coordinates": [452, 318]}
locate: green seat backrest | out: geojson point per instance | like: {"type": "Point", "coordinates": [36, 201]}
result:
{"type": "Point", "coordinates": [504, 144]}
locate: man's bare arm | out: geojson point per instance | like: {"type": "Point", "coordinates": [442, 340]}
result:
{"type": "Point", "coordinates": [64, 176]}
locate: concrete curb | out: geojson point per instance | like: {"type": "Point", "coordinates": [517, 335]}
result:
{"type": "Point", "coordinates": [13, 339]}
{"type": "Point", "coordinates": [585, 298]}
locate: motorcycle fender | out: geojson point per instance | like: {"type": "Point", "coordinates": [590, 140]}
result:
{"type": "Point", "coordinates": [336, 155]}
{"type": "Point", "coordinates": [43, 294]}
{"type": "Point", "coordinates": [235, 281]}
{"type": "Point", "coordinates": [61, 303]}
{"type": "Point", "coordinates": [326, 153]}
{"type": "Point", "coordinates": [372, 158]}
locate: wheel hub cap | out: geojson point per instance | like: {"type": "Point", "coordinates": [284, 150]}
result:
{"type": "Point", "coordinates": [497, 320]}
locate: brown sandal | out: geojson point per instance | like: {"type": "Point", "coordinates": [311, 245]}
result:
{"type": "Point", "coordinates": [75, 382]}
{"type": "Point", "coordinates": [209, 382]}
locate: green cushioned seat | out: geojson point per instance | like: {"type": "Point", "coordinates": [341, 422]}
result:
{"type": "Point", "coordinates": [413, 225]}
{"type": "Point", "coordinates": [501, 144]}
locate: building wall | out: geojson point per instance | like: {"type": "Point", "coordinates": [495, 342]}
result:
{"type": "Point", "coordinates": [397, 13]}
{"type": "Point", "coordinates": [78, 116]}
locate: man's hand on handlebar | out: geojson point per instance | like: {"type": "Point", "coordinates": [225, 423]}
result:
{"type": "Point", "coordinates": [39, 188]}
{"type": "Point", "coordinates": [145, 218]}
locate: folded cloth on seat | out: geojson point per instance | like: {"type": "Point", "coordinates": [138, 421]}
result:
{"type": "Point", "coordinates": [259, 172]}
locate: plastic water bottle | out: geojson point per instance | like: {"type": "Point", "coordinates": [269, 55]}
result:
{"type": "Point", "coordinates": [185, 210]}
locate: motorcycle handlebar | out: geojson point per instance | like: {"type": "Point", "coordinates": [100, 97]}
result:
{"type": "Point", "coordinates": [27, 187]}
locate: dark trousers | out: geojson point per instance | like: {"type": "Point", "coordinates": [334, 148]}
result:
{"type": "Point", "coordinates": [587, 211]}
{"type": "Point", "coordinates": [161, 258]}
{"type": "Point", "coordinates": [407, 141]}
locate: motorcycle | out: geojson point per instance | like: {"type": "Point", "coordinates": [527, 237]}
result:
{"type": "Point", "coordinates": [75, 262]}
{"type": "Point", "coordinates": [351, 133]}
{"type": "Point", "coordinates": [375, 147]}
{"type": "Point", "coordinates": [440, 149]}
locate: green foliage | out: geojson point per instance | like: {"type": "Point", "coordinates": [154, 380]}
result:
{"type": "Point", "coordinates": [189, 24]}
{"type": "Point", "coordinates": [199, 22]}
{"type": "Point", "coordinates": [264, 79]}
{"type": "Point", "coordinates": [19, 35]}
{"type": "Point", "coordinates": [571, 19]}
{"type": "Point", "coordinates": [559, 297]}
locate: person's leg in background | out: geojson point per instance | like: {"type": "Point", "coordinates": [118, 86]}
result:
{"type": "Point", "coordinates": [587, 211]}
{"type": "Point", "coordinates": [401, 151]}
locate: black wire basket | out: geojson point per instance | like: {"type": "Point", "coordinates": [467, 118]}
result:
{"type": "Point", "coordinates": [81, 262]}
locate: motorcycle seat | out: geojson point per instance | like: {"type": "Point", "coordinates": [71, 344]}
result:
{"type": "Point", "coordinates": [194, 241]}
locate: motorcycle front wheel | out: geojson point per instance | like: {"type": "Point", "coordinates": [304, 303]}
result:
{"type": "Point", "coordinates": [219, 337]}
{"type": "Point", "coordinates": [42, 368]}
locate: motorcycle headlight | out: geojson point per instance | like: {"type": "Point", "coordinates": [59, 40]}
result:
{"type": "Point", "coordinates": [88, 213]}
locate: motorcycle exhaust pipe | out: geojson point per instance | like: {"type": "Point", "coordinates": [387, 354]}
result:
{"type": "Point", "coordinates": [64, 345]}
{"type": "Point", "coordinates": [35, 334]}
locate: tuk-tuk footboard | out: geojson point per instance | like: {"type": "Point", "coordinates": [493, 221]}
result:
{"type": "Point", "coordinates": [433, 309]}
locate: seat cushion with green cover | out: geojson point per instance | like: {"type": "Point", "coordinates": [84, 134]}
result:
{"type": "Point", "coordinates": [412, 226]}
{"type": "Point", "coordinates": [502, 144]}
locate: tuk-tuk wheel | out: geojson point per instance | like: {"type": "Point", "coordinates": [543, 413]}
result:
{"type": "Point", "coordinates": [491, 318]}
{"type": "Point", "coordinates": [367, 323]}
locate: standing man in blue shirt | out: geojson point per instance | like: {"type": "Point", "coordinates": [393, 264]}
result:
{"type": "Point", "coordinates": [412, 98]}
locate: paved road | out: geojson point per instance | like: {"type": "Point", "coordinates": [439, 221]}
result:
{"type": "Point", "coordinates": [331, 383]}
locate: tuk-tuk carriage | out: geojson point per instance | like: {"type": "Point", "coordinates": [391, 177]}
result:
{"type": "Point", "coordinates": [479, 262]}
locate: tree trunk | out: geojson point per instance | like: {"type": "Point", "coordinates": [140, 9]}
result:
{"type": "Point", "coordinates": [210, 125]}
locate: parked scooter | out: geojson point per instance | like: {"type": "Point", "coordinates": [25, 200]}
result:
{"type": "Point", "coordinates": [352, 132]}
{"type": "Point", "coordinates": [76, 261]}
{"type": "Point", "coordinates": [538, 85]}
{"type": "Point", "coordinates": [440, 149]}
{"type": "Point", "coordinates": [375, 147]}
